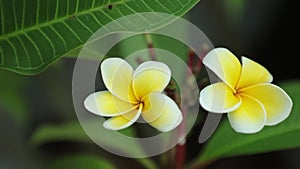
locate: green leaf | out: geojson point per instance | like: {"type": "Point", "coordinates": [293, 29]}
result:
{"type": "Point", "coordinates": [53, 133]}
{"type": "Point", "coordinates": [226, 143]}
{"type": "Point", "coordinates": [13, 87]}
{"type": "Point", "coordinates": [80, 161]}
{"type": "Point", "coordinates": [36, 33]}
{"type": "Point", "coordinates": [72, 131]}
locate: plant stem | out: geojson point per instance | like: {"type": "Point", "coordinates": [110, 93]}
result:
{"type": "Point", "coordinates": [203, 52]}
{"type": "Point", "coordinates": [150, 47]}
{"type": "Point", "coordinates": [180, 155]}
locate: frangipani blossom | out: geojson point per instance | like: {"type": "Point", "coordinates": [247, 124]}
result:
{"type": "Point", "coordinates": [132, 94]}
{"type": "Point", "coordinates": [245, 93]}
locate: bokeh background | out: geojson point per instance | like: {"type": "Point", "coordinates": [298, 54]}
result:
{"type": "Point", "coordinates": [263, 30]}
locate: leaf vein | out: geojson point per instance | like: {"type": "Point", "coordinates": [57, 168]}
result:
{"type": "Point", "coordinates": [68, 7]}
{"type": "Point", "coordinates": [112, 19]}
{"type": "Point", "coordinates": [99, 23]}
{"type": "Point", "coordinates": [15, 14]}
{"type": "Point", "coordinates": [37, 12]}
{"type": "Point", "coordinates": [2, 19]}
{"type": "Point", "coordinates": [77, 6]}
{"type": "Point", "coordinates": [159, 3]}
{"type": "Point", "coordinates": [146, 5]}
{"type": "Point", "coordinates": [34, 45]}
{"type": "Point", "coordinates": [25, 50]}
{"type": "Point", "coordinates": [93, 4]}
{"type": "Point", "coordinates": [134, 11]}
{"type": "Point", "coordinates": [15, 51]}
{"type": "Point", "coordinates": [48, 39]}
{"type": "Point", "coordinates": [59, 36]}
{"type": "Point", "coordinates": [87, 28]}
{"type": "Point", "coordinates": [117, 9]}
{"type": "Point", "coordinates": [71, 30]}
{"type": "Point", "coordinates": [56, 9]}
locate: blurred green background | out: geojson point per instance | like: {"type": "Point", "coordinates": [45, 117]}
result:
{"type": "Point", "coordinates": [263, 30]}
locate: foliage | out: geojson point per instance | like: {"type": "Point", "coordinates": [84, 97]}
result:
{"type": "Point", "coordinates": [79, 162]}
{"type": "Point", "coordinates": [34, 34]}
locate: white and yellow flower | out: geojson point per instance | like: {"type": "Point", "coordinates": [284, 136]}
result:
{"type": "Point", "coordinates": [245, 93]}
{"type": "Point", "coordinates": [132, 94]}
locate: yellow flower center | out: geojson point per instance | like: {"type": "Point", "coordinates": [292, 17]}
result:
{"type": "Point", "coordinates": [139, 105]}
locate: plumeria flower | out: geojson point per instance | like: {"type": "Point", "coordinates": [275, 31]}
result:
{"type": "Point", "coordinates": [245, 93]}
{"type": "Point", "coordinates": [132, 94]}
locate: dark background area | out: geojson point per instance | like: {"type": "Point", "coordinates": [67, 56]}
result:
{"type": "Point", "coordinates": [266, 31]}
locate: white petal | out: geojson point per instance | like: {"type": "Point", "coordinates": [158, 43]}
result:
{"type": "Point", "coordinates": [225, 65]}
{"type": "Point", "coordinates": [122, 121]}
{"type": "Point", "coordinates": [219, 98]}
{"type": "Point", "coordinates": [250, 117]}
{"type": "Point", "coordinates": [117, 76]}
{"type": "Point", "coordinates": [161, 112]}
{"type": "Point", "coordinates": [253, 73]}
{"type": "Point", "coordinates": [103, 103]}
{"type": "Point", "coordinates": [150, 77]}
{"type": "Point", "coordinates": [276, 101]}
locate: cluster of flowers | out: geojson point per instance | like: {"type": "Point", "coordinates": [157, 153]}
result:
{"type": "Point", "coordinates": [244, 92]}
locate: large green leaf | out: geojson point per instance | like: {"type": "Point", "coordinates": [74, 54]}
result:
{"type": "Point", "coordinates": [35, 33]}
{"type": "Point", "coordinates": [226, 143]}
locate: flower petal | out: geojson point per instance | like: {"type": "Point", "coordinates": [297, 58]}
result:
{"type": "Point", "coordinates": [250, 117]}
{"type": "Point", "coordinates": [219, 98]}
{"type": "Point", "coordinates": [161, 112]}
{"type": "Point", "coordinates": [122, 121]}
{"type": "Point", "coordinates": [253, 73]}
{"type": "Point", "coordinates": [276, 101]}
{"type": "Point", "coordinates": [117, 74]}
{"type": "Point", "coordinates": [225, 65]}
{"type": "Point", "coordinates": [150, 77]}
{"type": "Point", "coordinates": [105, 104]}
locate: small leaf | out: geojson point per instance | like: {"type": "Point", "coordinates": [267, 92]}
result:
{"type": "Point", "coordinates": [286, 135]}
{"type": "Point", "coordinates": [36, 33]}
{"type": "Point", "coordinates": [67, 132]}
{"type": "Point", "coordinates": [80, 161]}
{"type": "Point", "coordinates": [72, 131]}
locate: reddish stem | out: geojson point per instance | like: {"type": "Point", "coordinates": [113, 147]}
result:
{"type": "Point", "coordinates": [203, 52]}
{"type": "Point", "coordinates": [198, 66]}
{"type": "Point", "coordinates": [180, 155]}
{"type": "Point", "coordinates": [191, 61]}
{"type": "Point", "coordinates": [150, 47]}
